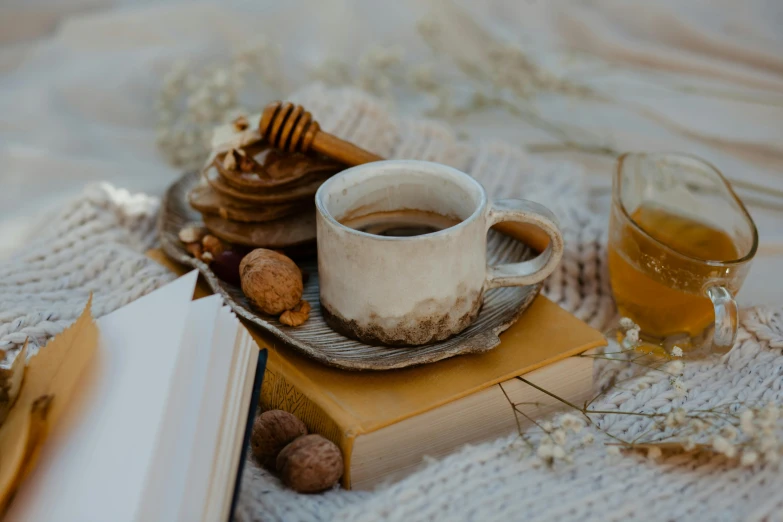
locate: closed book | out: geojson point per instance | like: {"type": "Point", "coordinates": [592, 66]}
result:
{"type": "Point", "coordinates": [386, 422]}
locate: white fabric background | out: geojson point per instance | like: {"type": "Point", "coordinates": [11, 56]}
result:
{"type": "Point", "coordinates": [78, 82]}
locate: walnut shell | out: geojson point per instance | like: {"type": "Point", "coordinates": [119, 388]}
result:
{"type": "Point", "coordinates": [310, 464]}
{"type": "Point", "coordinates": [271, 281]}
{"type": "Point", "coordinates": [297, 315]}
{"type": "Point", "coordinates": [272, 431]}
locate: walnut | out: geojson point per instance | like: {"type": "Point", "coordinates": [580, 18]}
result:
{"type": "Point", "coordinates": [191, 234]}
{"type": "Point", "coordinates": [297, 315]}
{"type": "Point", "coordinates": [212, 245]}
{"type": "Point", "coordinates": [272, 431]}
{"type": "Point", "coordinates": [241, 124]}
{"type": "Point", "coordinates": [271, 281]}
{"type": "Point", "coordinates": [310, 464]}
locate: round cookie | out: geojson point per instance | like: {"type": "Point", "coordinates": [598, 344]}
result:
{"type": "Point", "coordinates": [302, 189]}
{"type": "Point", "coordinates": [285, 233]}
{"type": "Point", "coordinates": [204, 199]}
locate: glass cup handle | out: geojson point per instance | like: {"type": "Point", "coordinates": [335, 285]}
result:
{"type": "Point", "coordinates": [534, 270]}
{"type": "Point", "coordinates": [726, 318]}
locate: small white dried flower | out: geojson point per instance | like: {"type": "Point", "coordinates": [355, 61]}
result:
{"type": "Point", "coordinates": [749, 458]}
{"type": "Point", "coordinates": [546, 426]}
{"type": "Point", "coordinates": [588, 438]}
{"type": "Point", "coordinates": [679, 415]}
{"type": "Point", "coordinates": [545, 451]}
{"type": "Point", "coordinates": [676, 351]}
{"type": "Point", "coordinates": [654, 453]}
{"type": "Point", "coordinates": [679, 387]}
{"type": "Point", "coordinates": [613, 451]}
{"type": "Point", "coordinates": [626, 323]}
{"type": "Point", "coordinates": [729, 432]}
{"type": "Point", "coordinates": [571, 422]}
{"type": "Point", "coordinates": [746, 422]}
{"type": "Point", "coordinates": [723, 446]}
{"type": "Point", "coordinates": [689, 444]}
{"type": "Point", "coordinates": [675, 367]}
{"type": "Point", "coordinates": [558, 452]}
{"type": "Point", "coordinates": [632, 336]}
{"type": "Point", "coordinates": [675, 418]}
{"type": "Point", "coordinates": [698, 425]}
{"type": "Point", "coordinates": [559, 436]}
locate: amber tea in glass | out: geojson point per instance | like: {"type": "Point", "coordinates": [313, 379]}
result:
{"type": "Point", "coordinates": [680, 245]}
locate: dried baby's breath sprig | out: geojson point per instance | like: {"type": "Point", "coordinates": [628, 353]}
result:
{"type": "Point", "coordinates": [747, 437]}
{"type": "Point", "coordinates": [196, 98]}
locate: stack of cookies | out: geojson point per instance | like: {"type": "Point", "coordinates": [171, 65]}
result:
{"type": "Point", "coordinates": [255, 195]}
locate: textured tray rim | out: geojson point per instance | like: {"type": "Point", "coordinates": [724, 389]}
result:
{"type": "Point", "coordinates": [475, 342]}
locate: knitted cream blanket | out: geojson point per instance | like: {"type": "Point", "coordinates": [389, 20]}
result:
{"type": "Point", "coordinates": [97, 245]}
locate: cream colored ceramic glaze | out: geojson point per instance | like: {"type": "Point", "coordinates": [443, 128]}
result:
{"type": "Point", "coordinates": [416, 290]}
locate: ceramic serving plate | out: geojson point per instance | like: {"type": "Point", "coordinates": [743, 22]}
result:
{"type": "Point", "coordinates": [502, 306]}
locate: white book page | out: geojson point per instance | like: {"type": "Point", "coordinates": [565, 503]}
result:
{"type": "Point", "coordinates": [214, 393]}
{"type": "Point", "coordinates": [94, 465]}
{"type": "Point", "coordinates": [167, 476]}
{"type": "Point", "coordinates": [230, 453]}
{"type": "Point", "coordinates": [232, 429]}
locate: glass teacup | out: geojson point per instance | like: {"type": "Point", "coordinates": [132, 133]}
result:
{"type": "Point", "coordinates": [680, 246]}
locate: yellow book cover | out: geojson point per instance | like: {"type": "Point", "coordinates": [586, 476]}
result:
{"type": "Point", "coordinates": [347, 406]}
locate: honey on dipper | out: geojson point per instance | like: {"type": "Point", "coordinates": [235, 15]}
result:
{"type": "Point", "coordinates": [258, 186]}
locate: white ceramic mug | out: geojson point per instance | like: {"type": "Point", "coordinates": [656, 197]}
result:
{"type": "Point", "coordinates": [425, 288]}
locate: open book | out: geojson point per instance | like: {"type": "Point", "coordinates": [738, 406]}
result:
{"type": "Point", "coordinates": [158, 426]}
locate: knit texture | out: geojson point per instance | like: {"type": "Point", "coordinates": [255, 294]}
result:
{"type": "Point", "coordinates": [97, 243]}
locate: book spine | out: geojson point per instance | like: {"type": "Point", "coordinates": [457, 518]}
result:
{"type": "Point", "coordinates": [280, 391]}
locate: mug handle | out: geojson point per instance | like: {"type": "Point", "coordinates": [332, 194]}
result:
{"type": "Point", "coordinates": [726, 319]}
{"type": "Point", "coordinates": [533, 270]}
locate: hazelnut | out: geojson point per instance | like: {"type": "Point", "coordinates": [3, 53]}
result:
{"type": "Point", "coordinates": [212, 245]}
{"type": "Point", "coordinates": [297, 315]}
{"type": "Point", "coordinates": [271, 281]}
{"type": "Point", "coordinates": [194, 249]}
{"type": "Point", "coordinates": [272, 431]}
{"type": "Point", "coordinates": [310, 464]}
{"type": "Point", "coordinates": [191, 234]}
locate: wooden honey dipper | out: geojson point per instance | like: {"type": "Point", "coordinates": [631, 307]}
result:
{"type": "Point", "coordinates": [289, 127]}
